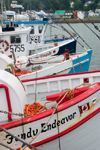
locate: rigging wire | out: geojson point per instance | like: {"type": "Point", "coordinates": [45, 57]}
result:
{"type": "Point", "coordinates": [87, 25]}
{"type": "Point", "coordinates": [52, 21]}
{"type": "Point", "coordinates": [36, 9]}
{"type": "Point", "coordinates": [96, 27]}
{"type": "Point", "coordinates": [70, 27]}
{"type": "Point", "coordinates": [56, 19]}
{"type": "Point", "coordinates": [35, 86]}
{"type": "Point", "coordinates": [58, 132]}
{"type": "Point", "coordinates": [78, 35]}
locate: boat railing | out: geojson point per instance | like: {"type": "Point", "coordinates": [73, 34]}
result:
{"type": "Point", "coordinates": [55, 38]}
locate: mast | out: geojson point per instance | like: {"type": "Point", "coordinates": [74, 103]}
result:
{"type": "Point", "coordinates": [1, 6]}
{"type": "Point", "coordinates": [8, 5]}
{"type": "Point", "coordinates": [1, 12]}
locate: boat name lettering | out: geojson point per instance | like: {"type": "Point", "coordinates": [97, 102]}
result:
{"type": "Point", "coordinates": [17, 48]}
{"type": "Point", "coordinates": [36, 38]}
{"type": "Point", "coordinates": [32, 132]}
{"type": "Point", "coordinates": [45, 55]}
{"type": "Point", "coordinates": [57, 122]}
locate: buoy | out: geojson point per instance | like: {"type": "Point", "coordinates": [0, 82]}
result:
{"type": "Point", "coordinates": [55, 44]}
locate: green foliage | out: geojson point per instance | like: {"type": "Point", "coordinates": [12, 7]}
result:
{"type": "Point", "coordinates": [54, 5]}
{"type": "Point", "coordinates": [78, 5]}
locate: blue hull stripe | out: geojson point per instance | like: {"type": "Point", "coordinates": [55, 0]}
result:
{"type": "Point", "coordinates": [30, 22]}
{"type": "Point", "coordinates": [83, 67]}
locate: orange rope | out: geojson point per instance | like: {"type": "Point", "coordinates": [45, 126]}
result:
{"type": "Point", "coordinates": [86, 86]}
{"type": "Point", "coordinates": [80, 63]}
{"type": "Point", "coordinates": [72, 64]}
{"type": "Point", "coordinates": [32, 109]}
{"type": "Point", "coordinates": [70, 93]}
{"type": "Point", "coordinates": [19, 73]}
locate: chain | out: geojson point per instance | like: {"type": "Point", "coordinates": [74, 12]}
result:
{"type": "Point", "coordinates": [17, 114]}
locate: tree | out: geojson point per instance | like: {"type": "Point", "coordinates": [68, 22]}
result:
{"type": "Point", "coordinates": [78, 5]}
{"type": "Point", "coordinates": [66, 4]}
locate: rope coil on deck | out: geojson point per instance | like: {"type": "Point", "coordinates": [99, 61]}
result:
{"type": "Point", "coordinates": [34, 108]}
{"type": "Point", "coordinates": [40, 108]}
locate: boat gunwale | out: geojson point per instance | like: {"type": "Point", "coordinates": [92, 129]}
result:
{"type": "Point", "coordinates": [48, 112]}
{"type": "Point", "coordinates": [62, 75]}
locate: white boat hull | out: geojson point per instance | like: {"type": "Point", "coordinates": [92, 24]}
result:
{"type": "Point", "coordinates": [77, 129]}
{"type": "Point", "coordinates": [78, 63]}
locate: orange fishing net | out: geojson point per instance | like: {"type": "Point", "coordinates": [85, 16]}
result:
{"type": "Point", "coordinates": [19, 73]}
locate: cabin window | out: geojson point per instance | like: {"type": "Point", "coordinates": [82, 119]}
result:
{"type": "Point", "coordinates": [39, 49]}
{"type": "Point", "coordinates": [32, 30]}
{"type": "Point", "coordinates": [15, 39]}
{"type": "Point", "coordinates": [40, 28]}
{"type": "Point", "coordinates": [51, 47]}
{"type": "Point", "coordinates": [45, 48]}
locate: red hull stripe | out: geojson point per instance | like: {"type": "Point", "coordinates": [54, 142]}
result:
{"type": "Point", "coordinates": [8, 99]}
{"type": "Point", "coordinates": [62, 75]}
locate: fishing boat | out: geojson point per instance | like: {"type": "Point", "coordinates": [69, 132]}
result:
{"type": "Point", "coordinates": [39, 87]}
{"type": "Point", "coordinates": [70, 114]}
{"type": "Point", "coordinates": [28, 37]}
{"type": "Point", "coordinates": [27, 68]}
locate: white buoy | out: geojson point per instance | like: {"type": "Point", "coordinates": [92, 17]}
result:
{"type": "Point", "coordinates": [21, 62]}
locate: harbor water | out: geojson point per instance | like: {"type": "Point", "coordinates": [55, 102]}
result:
{"type": "Point", "coordinates": [89, 34]}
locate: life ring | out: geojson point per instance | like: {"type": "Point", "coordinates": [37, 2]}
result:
{"type": "Point", "coordinates": [7, 47]}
